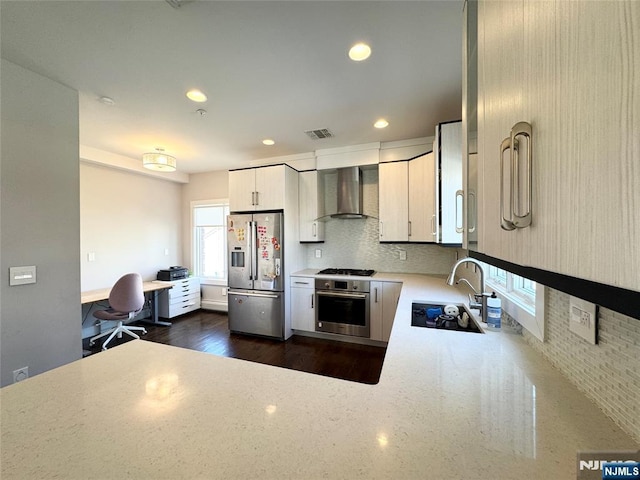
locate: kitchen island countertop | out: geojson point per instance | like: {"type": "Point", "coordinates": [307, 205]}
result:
{"type": "Point", "coordinates": [448, 405]}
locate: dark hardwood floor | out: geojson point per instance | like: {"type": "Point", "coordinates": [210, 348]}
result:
{"type": "Point", "coordinates": [208, 331]}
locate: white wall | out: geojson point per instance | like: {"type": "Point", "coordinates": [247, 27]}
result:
{"type": "Point", "coordinates": [39, 222]}
{"type": "Point", "coordinates": [204, 186]}
{"type": "Point", "coordinates": [128, 221]}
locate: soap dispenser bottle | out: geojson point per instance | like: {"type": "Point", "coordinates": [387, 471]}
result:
{"type": "Point", "coordinates": [494, 312]}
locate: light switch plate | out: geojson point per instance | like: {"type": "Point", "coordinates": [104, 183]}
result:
{"type": "Point", "coordinates": [22, 275]}
{"type": "Point", "coordinates": [583, 319]}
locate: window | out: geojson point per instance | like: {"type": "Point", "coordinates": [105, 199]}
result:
{"type": "Point", "coordinates": [522, 298]}
{"type": "Point", "coordinates": [210, 239]}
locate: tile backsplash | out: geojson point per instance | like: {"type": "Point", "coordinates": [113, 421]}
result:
{"type": "Point", "coordinates": [355, 244]}
{"type": "Point", "coordinates": [609, 372]}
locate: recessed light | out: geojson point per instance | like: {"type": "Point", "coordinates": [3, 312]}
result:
{"type": "Point", "coordinates": [196, 96]}
{"type": "Point", "coordinates": [359, 52]}
{"type": "Point", "coordinates": [381, 123]}
{"type": "Point", "coordinates": [107, 100]}
{"type": "Point", "coordinates": [268, 141]}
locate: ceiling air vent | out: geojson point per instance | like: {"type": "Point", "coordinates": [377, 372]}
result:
{"type": "Point", "coordinates": [319, 134]}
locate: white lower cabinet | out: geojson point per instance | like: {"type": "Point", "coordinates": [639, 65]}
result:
{"type": "Point", "coordinates": [184, 297]}
{"type": "Point", "coordinates": [384, 301]}
{"type": "Point", "coordinates": [303, 314]}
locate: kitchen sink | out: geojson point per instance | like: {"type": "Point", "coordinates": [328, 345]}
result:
{"type": "Point", "coordinates": [433, 315]}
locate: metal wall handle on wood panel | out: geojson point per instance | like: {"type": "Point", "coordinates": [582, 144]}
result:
{"type": "Point", "coordinates": [518, 130]}
{"type": "Point", "coordinates": [505, 223]}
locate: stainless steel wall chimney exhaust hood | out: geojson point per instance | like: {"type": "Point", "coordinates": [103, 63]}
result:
{"type": "Point", "coordinates": [349, 193]}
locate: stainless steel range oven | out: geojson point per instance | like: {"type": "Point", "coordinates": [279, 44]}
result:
{"type": "Point", "coordinates": [342, 306]}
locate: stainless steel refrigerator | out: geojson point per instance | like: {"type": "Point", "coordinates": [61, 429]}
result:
{"type": "Point", "coordinates": [256, 283]}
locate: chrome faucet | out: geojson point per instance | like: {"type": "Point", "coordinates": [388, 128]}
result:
{"type": "Point", "coordinates": [479, 300]}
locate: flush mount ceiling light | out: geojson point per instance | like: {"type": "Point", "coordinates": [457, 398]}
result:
{"type": "Point", "coordinates": [107, 101]}
{"type": "Point", "coordinates": [196, 95]}
{"type": "Point", "coordinates": [158, 161]}
{"type": "Point", "coordinates": [359, 52]}
{"type": "Point", "coordinates": [381, 123]}
{"type": "Point", "coordinates": [268, 141]}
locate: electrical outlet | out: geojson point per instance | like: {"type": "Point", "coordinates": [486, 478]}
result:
{"type": "Point", "coordinates": [20, 374]}
{"type": "Point", "coordinates": [583, 319]}
{"type": "Point", "coordinates": [318, 253]}
{"type": "Point", "coordinates": [224, 291]}
{"type": "Point", "coordinates": [403, 254]}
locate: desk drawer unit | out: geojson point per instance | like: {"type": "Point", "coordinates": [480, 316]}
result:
{"type": "Point", "coordinates": [184, 297]}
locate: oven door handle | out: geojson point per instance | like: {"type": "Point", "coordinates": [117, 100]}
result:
{"type": "Point", "coordinates": [343, 295]}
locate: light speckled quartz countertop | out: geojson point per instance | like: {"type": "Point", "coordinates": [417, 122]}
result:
{"type": "Point", "coordinates": [449, 405]}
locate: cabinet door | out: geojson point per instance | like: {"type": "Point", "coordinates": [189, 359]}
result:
{"type": "Point", "coordinates": [270, 187]}
{"type": "Point", "coordinates": [382, 309]}
{"type": "Point", "coordinates": [449, 157]}
{"type": "Point", "coordinates": [302, 306]}
{"type": "Point", "coordinates": [390, 297]}
{"type": "Point", "coordinates": [596, 178]}
{"type": "Point", "coordinates": [375, 311]}
{"type": "Point", "coordinates": [422, 199]}
{"type": "Point", "coordinates": [500, 106]}
{"type": "Point", "coordinates": [242, 184]}
{"type": "Point", "coordinates": [394, 201]}
{"type": "Point", "coordinates": [310, 207]}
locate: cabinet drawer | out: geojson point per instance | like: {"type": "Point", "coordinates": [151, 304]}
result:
{"type": "Point", "coordinates": [184, 298]}
{"type": "Point", "coordinates": [175, 309]}
{"type": "Point", "coordinates": [302, 282]}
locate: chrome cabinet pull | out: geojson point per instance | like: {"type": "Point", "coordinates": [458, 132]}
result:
{"type": "Point", "coordinates": [515, 218]}
{"type": "Point", "coordinates": [312, 295]}
{"type": "Point", "coordinates": [433, 225]}
{"type": "Point", "coordinates": [257, 198]}
{"type": "Point", "coordinates": [459, 195]}
{"type": "Point", "coordinates": [409, 226]}
{"type": "Point", "coordinates": [313, 230]}
{"type": "Point", "coordinates": [253, 198]}
{"type": "Point", "coordinates": [473, 207]}
{"type": "Point", "coordinates": [381, 230]}
{"type": "Point", "coordinates": [505, 223]}
{"type": "Point", "coordinates": [521, 129]}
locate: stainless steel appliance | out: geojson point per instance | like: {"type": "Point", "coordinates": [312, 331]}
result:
{"type": "Point", "coordinates": [256, 284]}
{"type": "Point", "coordinates": [342, 306]}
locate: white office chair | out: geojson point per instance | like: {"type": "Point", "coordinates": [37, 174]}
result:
{"type": "Point", "coordinates": [126, 300]}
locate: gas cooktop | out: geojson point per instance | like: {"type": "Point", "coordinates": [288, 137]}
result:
{"type": "Point", "coordinates": [347, 271]}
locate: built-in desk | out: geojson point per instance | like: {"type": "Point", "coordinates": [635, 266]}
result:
{"type": "Point", "coordinates": [91, 296]}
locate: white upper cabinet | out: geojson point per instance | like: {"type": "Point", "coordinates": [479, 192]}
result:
{"type": "Point", "coordinates": [564, 68]}
{"type": "Point", "coordinates": [447, 149]}
{"type": "Point", "coordinates": [393, 210]}
{"type": "Point", "coordinates": [260, 188]}
{"type": "Point", "coordinates": [422, 199]}
{"type": "Point", "coordinates": [311, 206]}
{"type": "Point", "coordinates": [407, 200]}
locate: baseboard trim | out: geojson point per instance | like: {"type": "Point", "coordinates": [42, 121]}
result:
{"type": "Point", "coordinates": [214, 305]}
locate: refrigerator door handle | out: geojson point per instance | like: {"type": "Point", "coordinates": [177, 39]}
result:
{"type": "Point", "coordinates": [254, 250]}
{"type": "Point", "coordinates": [260, 295]}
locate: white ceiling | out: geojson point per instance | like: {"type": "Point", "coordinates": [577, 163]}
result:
{"type": "Point", "coordinates": [270, 69]}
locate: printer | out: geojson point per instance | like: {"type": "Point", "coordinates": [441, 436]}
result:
{"type": "Point", "coordinates": [173, 273]}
